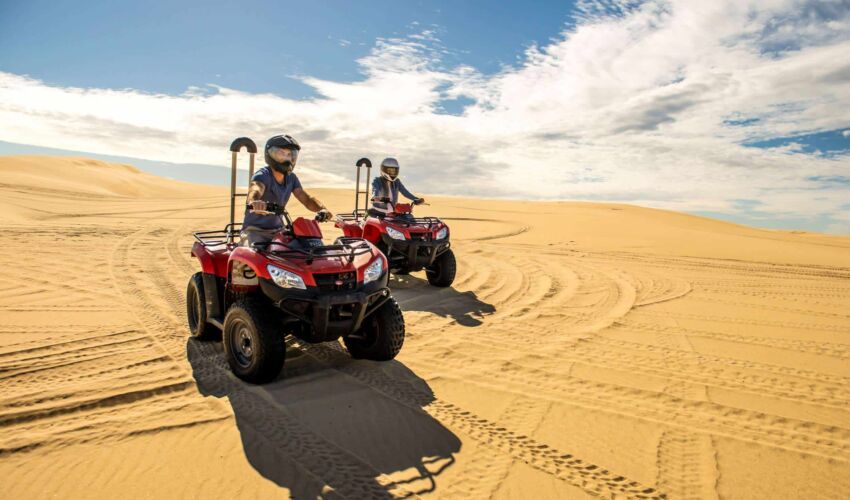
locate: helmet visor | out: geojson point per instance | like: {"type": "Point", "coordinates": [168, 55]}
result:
{"type": "Point", "coordinates": [281, 155]}
{"type": "Point", "coordinates": [391, 171]}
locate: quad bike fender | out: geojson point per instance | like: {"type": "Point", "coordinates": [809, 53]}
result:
{"type": "Point", "coordinates": [213, 272]}
{"type": "Point", "coordinates": [372, 233]}
{"type": "Point", "coordinates": [208, 260]}
{"type": "Point", "coordinates": [212, 297]}
{"type": "Point", "coordinates": [351, 230]}
{"type": "Point", "coordinates": [243, 257]}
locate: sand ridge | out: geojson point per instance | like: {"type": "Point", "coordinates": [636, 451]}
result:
{"type": "Point", "coordinates": [585, 349]}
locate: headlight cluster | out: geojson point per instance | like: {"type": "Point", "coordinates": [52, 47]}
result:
{"type": "Point", "coordinates": [285, 279]}
{"type": "Point", "coordinates": [395, 234]}
{"type": "Point", "coordinates": [374, 271]}
{"type": "Point", "coordinates": [442, 233]}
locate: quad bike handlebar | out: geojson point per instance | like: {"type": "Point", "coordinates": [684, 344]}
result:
{"type": "Point", "coordinates": [386, 199]}
{"type": "Point", "coordinates": [280, 210]}
{"type": "Point", "coordinates": [271, 209]}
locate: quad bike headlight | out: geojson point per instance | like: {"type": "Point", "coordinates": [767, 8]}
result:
{"type": "Point", "coordinates": [395, 234]}
{"type": "Point", "coordinates": [374, 271]}
{"type": "Point", "coordinates": [442, 233]}
{"type": "Point", "coordinates": [285, 279]}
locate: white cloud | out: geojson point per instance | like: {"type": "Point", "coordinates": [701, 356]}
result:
{"type": "Point", "coordinates": [642, 102]}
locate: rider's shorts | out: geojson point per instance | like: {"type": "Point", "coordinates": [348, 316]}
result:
{"type": "Point", "coordinates": [254, 234]}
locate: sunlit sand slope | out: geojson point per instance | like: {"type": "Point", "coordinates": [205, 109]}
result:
{"type": "Point", "coordinates": [584, 349]}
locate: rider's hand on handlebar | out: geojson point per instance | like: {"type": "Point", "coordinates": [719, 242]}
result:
{"type": "Point", "coordinates": [323, 215]}
{"type": "Point", "coordinates": [419, 201]}
{"type": "Point", "coordinates": [259, 206]}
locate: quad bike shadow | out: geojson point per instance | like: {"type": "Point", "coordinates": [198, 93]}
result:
{"type": "Point", "coordinates": [414, 294]}
{"type": "Point", "coordinates": [330, 426]}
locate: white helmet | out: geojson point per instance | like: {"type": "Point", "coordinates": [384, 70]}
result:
{"type": "Point", "coordinates": [390, 169]}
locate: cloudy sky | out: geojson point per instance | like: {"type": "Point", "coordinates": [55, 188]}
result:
{"type": "Point", "coordinates": [731, 108]}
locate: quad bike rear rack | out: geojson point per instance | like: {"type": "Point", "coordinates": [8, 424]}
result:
{"type": "Point", "coordinates": [219, 236]}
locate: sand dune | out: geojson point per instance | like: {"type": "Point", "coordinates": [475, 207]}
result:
{"type": "Point", "coordinates": [585, 349]}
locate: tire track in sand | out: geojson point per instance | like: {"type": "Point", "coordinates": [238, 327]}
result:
{"type": "Point", "coordinates": [284, 435]}
{"type": "Point", "coordinates": [564, 466]}
{"type": "Point", "coordinates": [545, 458]}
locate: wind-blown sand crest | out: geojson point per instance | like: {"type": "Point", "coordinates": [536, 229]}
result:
{"type": "Point", "coordinates": [585, 349]}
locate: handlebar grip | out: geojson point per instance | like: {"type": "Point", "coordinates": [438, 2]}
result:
{"type": "Point", "coordinates": [321, 216]}
{"type": "Point", "coordinates": [271, 208]}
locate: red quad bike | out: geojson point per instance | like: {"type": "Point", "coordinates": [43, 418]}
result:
{"type": "Point", "coordinates": [410, 243]}
{"type": "Point", "coordinates": [293, 285]}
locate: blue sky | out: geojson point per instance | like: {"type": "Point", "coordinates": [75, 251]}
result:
{"type": "Point", "coordinates": [167, 46]}
{"type": "Point", "coordinates": [738, 109]}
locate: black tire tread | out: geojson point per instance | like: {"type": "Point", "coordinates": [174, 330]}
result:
{"type": "Point", "coordinates": [391, 340]}
{"type": "Point", "coordinates": [442, 272]}
{"type": "Point", "coordinates": [202, 330]}
{"type": "Point", "coordinates": [271, 350]}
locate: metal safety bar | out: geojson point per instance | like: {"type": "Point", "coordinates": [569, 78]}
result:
{"type": "Point", "coordinates": [365, 191]}
{"type": "Point", "coordinates": [235, 147]}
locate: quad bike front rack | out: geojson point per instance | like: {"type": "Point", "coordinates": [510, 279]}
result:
{"type": "Point", "coordinates": [347, 248]}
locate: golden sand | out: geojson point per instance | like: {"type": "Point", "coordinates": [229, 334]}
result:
{"type": "Point", "coordinates": [585, 349]}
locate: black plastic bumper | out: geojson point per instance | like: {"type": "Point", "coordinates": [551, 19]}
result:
{"type": "Point", "coordinates": [416, 253]}
{"type": "Point", "coordinates": [330, 314]}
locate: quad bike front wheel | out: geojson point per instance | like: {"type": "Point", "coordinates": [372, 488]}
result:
{"type": "Point", "coordinates": [196, 310]}
{"type": "Point", "coordinates": [442, 271]}
{"type": "Point", "coordinates": [381, 336]}
{"type": "Point", "coordinates": [254, 347]}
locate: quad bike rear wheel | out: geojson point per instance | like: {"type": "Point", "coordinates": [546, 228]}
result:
{"type": "Point", "coordinates": [196, 310]}
{"type": "Point", "coordinates": [442, 271]}
{"type": "Point", "coordinates": [381, 336]}
{"type": "Point", "coordinates": [254, 347]}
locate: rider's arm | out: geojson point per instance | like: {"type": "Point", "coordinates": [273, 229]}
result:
{"type": "Point", "coordinates": [311, 202]}
{"type": "Point", "coordinates": [255, 191]}
{"type": "Point", "coordinates": [403, 190]}
{"type": "Point", "coordinates": [377, 190]}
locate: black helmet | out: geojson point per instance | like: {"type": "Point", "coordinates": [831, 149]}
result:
{"type": "Point", "coordinates": [390, 169]}
{"type": "Point", "coordinates": [276, 147]}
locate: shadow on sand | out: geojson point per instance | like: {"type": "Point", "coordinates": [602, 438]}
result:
{"type": "Point", "coordinates": [330, 426]}
{"type": "Point", "coordinates": [415, 294]}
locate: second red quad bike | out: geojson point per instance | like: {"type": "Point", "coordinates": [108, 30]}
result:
{"type": "Point", "coordinates": [409, 243]}
{"type": "Point", "coordinates": [295, 284]}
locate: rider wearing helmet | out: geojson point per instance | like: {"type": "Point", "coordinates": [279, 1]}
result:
{"type": "Point", "coordinates": [385, 189]}
{"type": "Point", "coordinates": [274, 183]}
